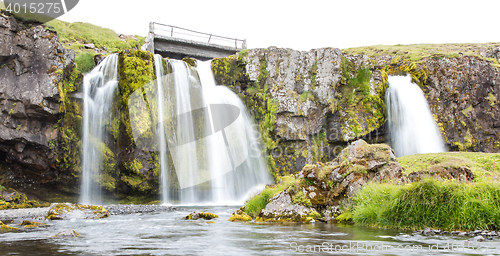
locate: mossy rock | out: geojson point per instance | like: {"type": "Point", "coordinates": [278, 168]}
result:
{"type": "Point", "coordinates": [5, 228]}
{"type": "Point", "coordinates": [76, 211]}
{"type": "Point", "coordinates": [201, 215]}
{"type": "Point", "coordinates": [32, 224]}
{"type": "Point", "coordinates": [240, 215]}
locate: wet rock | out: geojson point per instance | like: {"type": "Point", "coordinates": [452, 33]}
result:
{"type": "Point", "coordinates": [201, 215]}
{"type": "Point", "coordinates": [69, 211]}
{"type": "Point", "coordinates": [5, 228]}
{"type": "Point", "coordinates": [121, 209]}
{"type": "Point", "coordinates": [32, 224]}
{"type": "Point", "coordinates": [240, 215]}
{"type": "Point", "coordinates": [67, 233]}
{"type": "Point", "coordinates": [476, 239]}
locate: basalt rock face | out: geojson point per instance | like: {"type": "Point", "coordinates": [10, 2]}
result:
{"type": "Point", "coordinates": [33, 65]}
{"type": "Point", "coordinates": [463, 93]}
{"type": "Point", "coordinates": [309, 105]}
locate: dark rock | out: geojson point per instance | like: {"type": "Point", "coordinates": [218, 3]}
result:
{"type": "Point", "coordinates": [32, 62]}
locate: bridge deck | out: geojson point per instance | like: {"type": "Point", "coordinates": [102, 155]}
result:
{"type": "Point", "coordinates": [188, 43]}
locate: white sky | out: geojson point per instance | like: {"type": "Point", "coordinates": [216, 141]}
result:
{"type": "Point", "coordinates": [308, 24]}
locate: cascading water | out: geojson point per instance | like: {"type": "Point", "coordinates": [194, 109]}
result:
{"type": "Point", "coordinates": [207, 148]}
{"type": "Point", "coordinates": [411, 125]}
{"type": "Point", "coordinates": [99, 89]}
{"type": "Point", "coordinates": [214, 154]}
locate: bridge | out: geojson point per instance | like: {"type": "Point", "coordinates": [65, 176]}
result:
{"type": "Point", "coordinates": [178, 43]}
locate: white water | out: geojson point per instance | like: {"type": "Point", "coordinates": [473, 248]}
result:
{"type": "Point", "coordinates": [207, 145]}
{"type": "Point", "coordinates": [411, 125]}
{"type": "Point", "coordinates": [213, 166]}
{"type": "Point", "coordinates": [160, 132]}
{"type": "Point", "coordinates": [99, 89]}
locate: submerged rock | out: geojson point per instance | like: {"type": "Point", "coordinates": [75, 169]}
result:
{"type": "Point", "coordinates": [67, 233]}
{"type": "Point", "coordinates": [76, 211]}
{"type": "Point", "coordinates": [32, 224]}
{"type": "Point", "coordinates": [201, 215]}
{"type": "Point", "coordinates": [5, 228]}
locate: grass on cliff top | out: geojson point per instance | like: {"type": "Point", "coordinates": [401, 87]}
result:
{"type": "Point", "coordinates": [416, 52]}
{"type": "Point", "coordinates": [485, 166]}
{"type": "Point", "coordinates": [446, 205]}
{"type": "Point", "coordinates": [75, 35]}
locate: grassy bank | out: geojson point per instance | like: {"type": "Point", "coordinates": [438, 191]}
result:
{"type": "Point", "coordinates": [485, 166]}
{"type": "Point", "coordinates": [417, 52]}
{"type": "Point", "coordinates": [446, 205]}
{"type": "Point", "coordinates": [439, 204]}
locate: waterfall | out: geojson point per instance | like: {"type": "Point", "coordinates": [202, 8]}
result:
{"type": "Point", "coordinates": [160, 132]}
{"type": "Point", "coordinates": [411, 125]}
{"type": "Point", "coordinates": [215, 154]}
{"type": "Point", "coordinates": [99, 89]}
{"type": "Point", "coordinates": [207, 145]}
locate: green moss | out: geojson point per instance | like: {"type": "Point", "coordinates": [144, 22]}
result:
{"type": "Point", "coordinates": [190, 61]}
{"type": "Point", "coordinates": [136, 70]}
{"type": "Point", "coordinates": [492, 99]}
{"type": "Point", "coordinates": [300, 198]}
{"type": "Point", "coordinates": [361, 110]}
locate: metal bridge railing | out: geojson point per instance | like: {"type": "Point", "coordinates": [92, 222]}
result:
{"type": "Point", "coordinates": [182, 33]}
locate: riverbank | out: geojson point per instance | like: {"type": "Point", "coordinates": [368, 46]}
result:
{"type": "Point", "coordinates": [40, 213]}
{"type": "Point", "coordinates": [367, 185]}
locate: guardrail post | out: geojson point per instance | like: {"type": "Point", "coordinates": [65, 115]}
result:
{"type": "Point", "coordinates": [172, 32]}
{"type": "Point", "coordinates": [244, 45]}
{"type": "Point", "coordinates": [152, 27]}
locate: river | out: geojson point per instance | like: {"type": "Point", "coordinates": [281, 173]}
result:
{"type": "Point", "coordinates": [166, 233]}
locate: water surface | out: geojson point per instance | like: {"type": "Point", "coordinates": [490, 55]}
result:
{"type": "Point", "coordinates": [165, 233]}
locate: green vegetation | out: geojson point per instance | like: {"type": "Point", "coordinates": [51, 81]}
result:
{"type": "Point", "coordinates": [86, 33]}
{"type": "Point", "coordinates": [75, 35]}
{"type": "Point", "coordinates": [259, 202]}
{"type": "Point", "coordinates": [417, 52]}
{"type": "Point", "coordinates": [485, 166]}
{"type": "Point", "coordinates": [359, 101]}
{"type": "Point", "coordinates": [447, 205]}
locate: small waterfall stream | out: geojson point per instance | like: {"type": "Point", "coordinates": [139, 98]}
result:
{"type": "Point", "coordinates": [99, 90]}
{"type": "Point", "coordinates": [411, 125]}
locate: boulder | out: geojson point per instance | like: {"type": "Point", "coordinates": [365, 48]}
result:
{"type": "Point", "coordinates": [281, 209]}
{"type": "Point", "coordinates": [69, 211]}
{"type": "Point", "coordinates": [240, 215]}
{"type": "Point", "coordinates": [201, 215]}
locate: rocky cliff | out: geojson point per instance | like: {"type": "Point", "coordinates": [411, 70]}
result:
{"type": "Point", "coordinates": [36, 74]}
{"type": "Point", "coordinates": [310, 104]}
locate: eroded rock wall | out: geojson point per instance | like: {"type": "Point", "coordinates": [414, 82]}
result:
{"type": "Point", "coordinates": [309, 105]}
{"type": "Point", "coordinates": [33, 70]}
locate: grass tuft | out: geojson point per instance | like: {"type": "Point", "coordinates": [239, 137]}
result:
{"type": "Point", "coordinates": [447, 205]}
